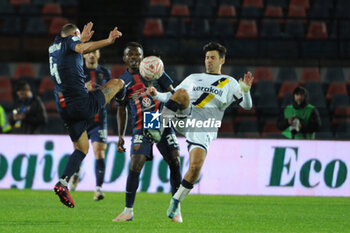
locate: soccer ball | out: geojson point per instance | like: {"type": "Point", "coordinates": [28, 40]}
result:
{"type": "Point", "coordinates": [151, 68]}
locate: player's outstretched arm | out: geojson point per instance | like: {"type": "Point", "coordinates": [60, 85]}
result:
{"type": "Point", "coordinates": [88, 47]}
{"type": "Point", "coordinates": [245, 86]}
{"type": "Point", "coordinates": [160, 96]}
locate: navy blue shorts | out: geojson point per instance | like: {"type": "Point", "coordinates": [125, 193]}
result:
{"type": "Point", "coordinates": [76, 115]}
{"type": "Point", "coordinates": [141, 145]}
{"type": "Point", "coordinates": [98, 133]}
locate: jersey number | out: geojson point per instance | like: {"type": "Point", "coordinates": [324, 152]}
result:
{"type": "Point", "coordinates": [171, 139]}
{"type": "Point", "coordinates": [54, 71]}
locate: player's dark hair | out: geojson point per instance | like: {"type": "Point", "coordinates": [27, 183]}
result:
{"type": "Point", "coordinates": [22, 86]}
{"type": "Point", "coordinates": [215, 46]}
{"type": "Point", "coordinates": [68, 28]}
{"type": "Point", "coordinates": [134, 45]}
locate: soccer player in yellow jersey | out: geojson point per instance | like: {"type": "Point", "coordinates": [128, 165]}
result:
{"type": "Point", "coordinates": [200, 97]}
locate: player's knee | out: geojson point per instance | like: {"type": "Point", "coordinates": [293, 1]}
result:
{"type": "Point", "coordinates": [82, 147]}
{"type": "Point", "coordinates": [118, 83]}
{"type": "Point", "coordinates": [182, 97]}
{"type": "Point", "coordinates": [100, 154]}
{"type": "Point", "coordinates": [136, 166]}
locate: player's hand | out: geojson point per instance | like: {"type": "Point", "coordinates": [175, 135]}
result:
{"type": "Point", "coordinates": [152, 91]}
{"type": "Point", "coordinates": [247, 82]}
{"type": "Point", "coordinates": [120, 145]}
{"type": "Point", "coordinates": [113, 35]}
{"type": "Point", "coordinates": [87, 33]}
{"type": "Point", "coordinates": [88, 85]}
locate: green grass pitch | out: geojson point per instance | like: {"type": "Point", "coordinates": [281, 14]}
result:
{"type": "Point", "coordinates": [41, 211]}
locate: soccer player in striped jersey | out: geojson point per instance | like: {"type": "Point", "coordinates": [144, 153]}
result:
{"type": "Point", "coordinates": [74, 103]}
{"type": "Point", "coordinates": [200, 96]}
{"type": "Point", "coordinates": [138, 102]}
{"type": "Point", "coordinates": [96, 76]}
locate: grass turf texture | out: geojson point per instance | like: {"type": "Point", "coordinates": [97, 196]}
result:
{"type": "Point", "coordinates": [41, 211]}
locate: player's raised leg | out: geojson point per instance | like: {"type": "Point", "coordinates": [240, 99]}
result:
{"type": "Point", "coordinates": [197, 157]}
{"type": "Point", "coordinates": [100, 167]}
{"type": "Point", "coordinates": [132, 183]}
{"type": "Point", "coordinates": [114, 87]}
{"type": "Point", "coordinates": [61, 188]}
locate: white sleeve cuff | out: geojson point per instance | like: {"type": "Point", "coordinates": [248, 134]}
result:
{"type": "Point", "coordinates": [247, 102]}
{"type": "Point", "coordinates": [163, 97]}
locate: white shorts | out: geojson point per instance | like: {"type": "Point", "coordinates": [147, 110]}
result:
{"type": "Point", "coordinates": [195, 137]}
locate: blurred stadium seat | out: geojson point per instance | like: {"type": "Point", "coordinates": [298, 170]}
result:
{"type": "Point", "coordinates": [317, 30]}
{"type": "Point", "coordinates": [336, 88]}
{"type": "Point", "coordinates": [272, 12]}
{"type": "Point", "coordinates": [165, 3]}
{"type": "Point", "coordinates": [24, 69]}
{"type": "Point", "coordinates": [50, 11]}
{"type": "Point", "coordinates": [153, 28]}
{"type": "Point", "coordinates": [262, 73]}
{"type": "Point", "coordinates": [181, 11]}
{"type": "Point", "coordinates": [296, 12]}
{"type": "Point", "coordinates": [19, 2]}
{"type": "Point", "coordinates": [300, 3]}
{"type": "Point", "coordinates": [255, 3]}
{"type": "Point", "coordinates": [46, 84]}
{"type": "Point", "coordinates": [247, 29]}
{"type": "Point", "coordinates": [287, 87]}
{"type": "Point", "coordinates": [227, 11]}
{"type": "Point", "coordinates": [56, 25]}
{"type": "Point", "coordinates": [310, 74]}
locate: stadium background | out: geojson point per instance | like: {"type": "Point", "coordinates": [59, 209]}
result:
{"type": "Point", "coordinates": [283, 42]}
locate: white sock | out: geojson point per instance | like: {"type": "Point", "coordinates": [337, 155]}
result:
{"type": "Point", "coordinates": [64, 182]}
{"type": "Point", "coordinates": [98, 188]}
{"type": "Point", "coordinates": [181, 193]}
{"type": "Point", "coordinates": [128, 210]}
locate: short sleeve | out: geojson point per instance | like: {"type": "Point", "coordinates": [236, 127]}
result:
{"type": "Point", "coordinates": [72, 41]}
{"type": "Point", "coordinates": [165, 81]}
{"type": "Point", "coordinates": [234, 92]}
